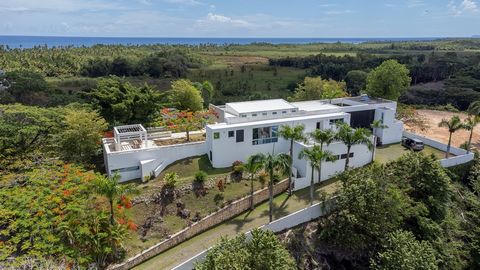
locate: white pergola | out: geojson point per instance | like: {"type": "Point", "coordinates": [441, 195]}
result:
{"type": "Point", "coordinates": [135, 135]}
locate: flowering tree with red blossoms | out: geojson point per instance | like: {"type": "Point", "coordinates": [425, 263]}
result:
{"type": "Point", "coordinates": [186, 121]}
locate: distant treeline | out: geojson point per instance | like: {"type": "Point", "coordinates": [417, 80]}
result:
{"type": "Point", "coordinates": [162, 64]}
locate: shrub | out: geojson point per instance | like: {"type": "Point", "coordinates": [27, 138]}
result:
{"type": "Point", "coordinates": [200, 176]}
{"type": "Point", "coordinates": [238, 169]}
{"type": "Point", "coordinates": [221, 185]}
{"type": "Point", "coordinates": [218, 198]}
{"type": "Point", "coordinates": [170, 179]}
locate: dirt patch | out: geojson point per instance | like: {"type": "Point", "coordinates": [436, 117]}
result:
{"type": "Point", "coordinates": [236, 61]}
{"type": "Point", "coordinates": [440, 134]}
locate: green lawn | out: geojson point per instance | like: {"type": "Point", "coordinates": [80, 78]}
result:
{"type": "Point", "coordinates": [392, 152]}
{"type": "Point", "coordinates": [283, 205]}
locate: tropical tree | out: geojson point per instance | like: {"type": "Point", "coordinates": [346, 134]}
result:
{"type": "Point", "coordinates": [389, 80]}
{"type": "Point", "coordinates": [403, 251]}
{"type": "Point", "coordinates": [453, 124]}
{"type": "Point", "coordinates": [185, 121]}
{"type": "Point", "coordinates": [294, 133]}
{"type": "Point", "coordinates": [263, 251]}
{"type": "Point", "coordinates": [472, 121]}
{"type": "Point", "coordinates": [350, 137]}
{"type": "Point", "coordinates": [82, 133]}
{"type": "Point", "coordinates": [270, 163]}
{"type": "Point", "coordinates": [469, 124]}
{"type": "Point", "coordinates": [111, 188]}
{"type": "Point", "coordinates": [315, 156]}
{"type": "Point", "coordinates": [207, 90]}
{"type": "Point", "coordinates": [376, 125]}
{"type": "Point", "coordinates": [317, 88]}
{"type": "Point", "coordinates": [185, 96]}
{"type": "Point", "coordinates": [323, 137]}
{"type": "Point", "coordinates": [252, 166]}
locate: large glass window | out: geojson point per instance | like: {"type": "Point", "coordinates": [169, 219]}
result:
{"type": "Point", "coordinates": [265, 135]}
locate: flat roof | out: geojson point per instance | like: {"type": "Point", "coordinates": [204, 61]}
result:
{"type": "Point", "coordinates": [275, 121]}
{"type": "Point", "coordinates": [260, 105]}
{"type": "Point", "coordinates": [314, 105]}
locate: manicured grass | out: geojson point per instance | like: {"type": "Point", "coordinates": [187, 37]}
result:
{"type": "Point", "coordinates": [392, 152]}
{"type": "Point", "coordinates": [283, 205]}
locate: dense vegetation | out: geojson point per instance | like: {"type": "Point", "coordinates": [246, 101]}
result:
{"type": "Point", "coordinates": [408, 214]}
{"type": "Point", "coordinates": [55, 104]}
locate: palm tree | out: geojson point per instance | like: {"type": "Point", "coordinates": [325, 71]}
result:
{"type": "Point", "coordinates": [376, 125]}
{"type": "Point", "coordinates": [111, 188]}
{"type": "Point", "coordinates": [350, 137]}
{"type": "Point", "coordinates": [453, 124]}
{"type": "Point", "coordinates": [472, 120]}
{"type": "Point", "coordinates": [272, 163]}
{"type": "Point", "coordinates": [252, 166]}
{"type": "Point", "coordinates": [293, 134]}
{"type": "Point", "coordinates": [323, 137]}
{"type": "Point", "coordinates": [315, 156]}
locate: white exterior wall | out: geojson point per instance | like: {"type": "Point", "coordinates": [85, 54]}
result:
{"type": "Point", "coordinates": [226, 150]}
{"type": "Point", "coordinates": [392, 134]}
{"type": "Point", "coordinates": [362, 156]}
{"type": "Point", "coordinates": [153, 160]}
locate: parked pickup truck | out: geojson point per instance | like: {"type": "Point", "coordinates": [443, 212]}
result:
{"type": "Point", "coordinates": [413, 144]}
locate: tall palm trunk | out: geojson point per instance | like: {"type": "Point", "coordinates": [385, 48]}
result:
{"type": "Point", "coordinates": [111, 211]}
{"type": "Point", "coordinates": [311, 185]}
{"type": "Point", "coordinates": [470, 140]}
{"type": "Point", "coordinates": [270, 193]}
{"type": "Point", "coordinates": [347, 160]}
{"type": "Point", "coordinates": [374, 146]}
{"type": "Point", "coordinates": [290, 169]}
{"type": "Point", "coordinates": [448, 146]}
{"type": "Point", "coordinates": [251, 192]}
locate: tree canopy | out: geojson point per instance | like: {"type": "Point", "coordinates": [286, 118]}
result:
{"type": "Point", "coordinates": [263, 251]}
{"type": "Point", "coordinates": [185, 96]}
{"type": "Point", "coordinates": [313, 88]}
{"type": "Point", "coordinates": [389, 80]}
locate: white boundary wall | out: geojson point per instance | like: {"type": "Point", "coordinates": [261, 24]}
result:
{"type": "Point", "coordinates": [460, 157]}
{"type": "Point", "coordinates": [302, 216]}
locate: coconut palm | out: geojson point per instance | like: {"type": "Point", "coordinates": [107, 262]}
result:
{"type": "Point", "coordinates": [111, 188]}
{"type": "Point", "coordinates": [271, 163]}
{"type": "Point", "coordinates": [469, 124]}
{"type": "Point", "coordinates": [323, 137]}
{"type": "Point", "coordinates": [294, 133]}
{"type": "Point", "coordinates": [472, 121]}
{"type": "Point", "coordinates": [252, 166]}
{"type": "Point", "coordinates": [350, 137]}
{"type": "Point", "coordinates": [453, 124]}
{"type": "Point", "coordinates": [376, 125]}
{"type": "Point", "coordinates": [315, 156]}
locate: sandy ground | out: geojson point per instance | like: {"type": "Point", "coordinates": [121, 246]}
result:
{"type": "Point", "coordinates": [433, 118]}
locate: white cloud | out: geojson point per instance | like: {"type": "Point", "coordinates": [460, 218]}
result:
{"type": "Point", "coordinates": [213, 18]}
{"type": "Point", "coordinates": [415, 3]}
{"type": "Point", "coordinates": [458, 8]}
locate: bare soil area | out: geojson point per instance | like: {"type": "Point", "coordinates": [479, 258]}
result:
{"type": "Point", "coordinates": [433, 131]}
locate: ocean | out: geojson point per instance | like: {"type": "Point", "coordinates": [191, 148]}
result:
{"type": "Point", "coordinates": [51, 41]}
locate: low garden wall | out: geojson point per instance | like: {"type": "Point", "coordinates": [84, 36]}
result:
{"type": "Point", "coordinates": [226, 213]}
{"type": "Point", "coordinates": [301, 216]}
{"type": "Point", "coordinates": [461, 156]}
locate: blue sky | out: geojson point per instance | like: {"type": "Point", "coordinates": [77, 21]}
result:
{"type": "Point", "coordinates": [247, 18]}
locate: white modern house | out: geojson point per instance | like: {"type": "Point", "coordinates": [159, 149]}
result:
{"type": "Point", "coordinates": [251, 127]}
